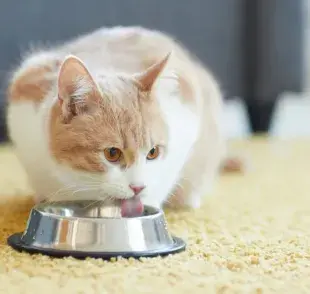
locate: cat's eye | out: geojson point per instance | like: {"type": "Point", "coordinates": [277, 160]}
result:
{"type": "Point", "coordinates": [153, 153]}
{"type": "Point", "coordinates": [112, 154]}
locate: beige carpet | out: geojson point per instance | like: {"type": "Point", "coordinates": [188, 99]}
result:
{"type": "Point", "coordinates": [251, 237]}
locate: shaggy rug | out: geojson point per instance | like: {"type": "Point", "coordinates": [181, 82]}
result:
{"type": "Point", "coordinates": [251, 236]}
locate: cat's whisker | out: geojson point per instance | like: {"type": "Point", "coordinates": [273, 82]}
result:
{"type": "Point", "coordinates": [53, 194]}
{"type": "Point", "coordinates": [92, 203]}
{"type": "Point", "coordinates": [88, 176]}
{"type": "Point", "coordinates": [83, 190]}
{"type": "Point", "coordinates": [67, 189]}
{"type": "Point", "coordinates": [73, 189]}
{"type": "Point", "coordinates": [91, 177]}
{"type": "Point", "coordinates": [91, 185]}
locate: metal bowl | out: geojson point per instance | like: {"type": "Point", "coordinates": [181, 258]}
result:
{"type": "Point", "coordinates": [86, 229]}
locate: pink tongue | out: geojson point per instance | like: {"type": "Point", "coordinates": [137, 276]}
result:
{"type": "Point", "coordinates": [132, 207]}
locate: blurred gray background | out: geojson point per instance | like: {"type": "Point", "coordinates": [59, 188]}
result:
{"type": "Point", "coordinates": [255, 48]}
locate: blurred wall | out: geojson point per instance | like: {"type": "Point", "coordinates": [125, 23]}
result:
{"type": "Point", "coordinates": [253, 47]}
{"type": "Point", "coordinates": [306, 18]}
{"type": "Point", "coordinates": [212, 29]}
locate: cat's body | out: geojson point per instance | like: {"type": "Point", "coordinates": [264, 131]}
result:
{"type": "Point", "coordinates": [65, 146]}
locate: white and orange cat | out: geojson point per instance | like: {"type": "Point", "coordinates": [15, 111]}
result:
{"type": "Point", "coordinates": [120, 113]}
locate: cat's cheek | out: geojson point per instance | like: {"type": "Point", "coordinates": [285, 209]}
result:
{"type": "Point", "coordinates": [112, 174]}
{"type": "Point", "coordinates": [116, 178]}
{"type": "Point", "coordinates": [152, 173]}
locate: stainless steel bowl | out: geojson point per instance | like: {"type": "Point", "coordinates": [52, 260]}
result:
{"type": "Point", "coordinates": [86, 229]}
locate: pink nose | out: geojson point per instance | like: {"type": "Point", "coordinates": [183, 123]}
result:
{"type": "Point", "coordinates": [136, 189]}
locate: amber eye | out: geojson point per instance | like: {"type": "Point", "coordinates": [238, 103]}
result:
{"type": "Point", "coordinates": [112, 154]}
{"type": "Point", "coordinates": [154, 153]}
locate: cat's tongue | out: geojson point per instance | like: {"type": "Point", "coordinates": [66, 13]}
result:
{"type": "Point", "coordinates": [132, 207]}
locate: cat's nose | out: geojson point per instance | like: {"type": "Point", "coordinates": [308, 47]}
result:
{"type": "Point", "coordinates": [136, 189]}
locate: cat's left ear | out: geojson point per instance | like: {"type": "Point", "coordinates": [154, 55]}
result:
{"type": "Point", "coordinates": [77, 91]}
{"type": "Point", "coordinates": [147, 78]}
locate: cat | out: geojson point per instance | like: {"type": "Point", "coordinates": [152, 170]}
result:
{"type": "Point", "coordinates": [118, 113]}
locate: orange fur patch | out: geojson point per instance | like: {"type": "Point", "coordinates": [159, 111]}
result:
{"type": "Point", "coordinates": [32, 85]}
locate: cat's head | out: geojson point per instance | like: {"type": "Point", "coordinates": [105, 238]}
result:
{"type": "Point", "coordinates": [108, 129]}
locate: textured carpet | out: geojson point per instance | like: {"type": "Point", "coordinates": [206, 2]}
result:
{"type": "Point", "coordinates": [252, 236]}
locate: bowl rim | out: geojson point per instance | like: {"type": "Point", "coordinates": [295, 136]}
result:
{"type": "Point", "coordinates": [159, 213]}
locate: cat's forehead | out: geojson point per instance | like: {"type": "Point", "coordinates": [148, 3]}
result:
{"type": "Point", "coordinates": [132, 125]}
{"type": "Point", "coordinates": [126, 117]}
{"type": "Point", "coordinates": [120, 105]}
{"type": "Point", "coordinates": [118, 90]}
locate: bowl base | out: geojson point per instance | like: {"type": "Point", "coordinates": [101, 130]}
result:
{"type": "Point", "coordinates": [15, 242]}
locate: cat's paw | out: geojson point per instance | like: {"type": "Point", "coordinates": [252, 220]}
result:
{"type": "Point", "coordinates": [193, 202]}
{"type": "Point", "coordinates": [177, 201]}
{"type": "Point", "coordinates": [233, 164]}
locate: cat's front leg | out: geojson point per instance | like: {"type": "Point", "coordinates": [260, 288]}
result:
{"type": "Point", "coordinates": [187, 195]}
{"type": "Point", "coordinates": [190, 190]}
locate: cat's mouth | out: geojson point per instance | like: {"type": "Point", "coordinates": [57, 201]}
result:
{"type": "Point", "coordinates": [132, 207]}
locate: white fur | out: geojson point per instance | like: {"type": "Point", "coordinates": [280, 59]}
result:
{"type": "Point", "coordinates": [28, 129]}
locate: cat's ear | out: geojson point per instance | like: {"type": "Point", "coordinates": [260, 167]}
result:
{"type": "Point", "coordinates": [77, 91]}
{"type": "Point", "coordinates": [147, 78]}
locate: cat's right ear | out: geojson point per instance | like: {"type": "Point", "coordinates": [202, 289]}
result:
{"type": "Point", "coordinates": [77, 90]}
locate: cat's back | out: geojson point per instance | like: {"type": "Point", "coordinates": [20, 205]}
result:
{"type": "Point", "coordinates": [117, 49]}
{"type": "Point", "coordinates": [127, 49]}
{"type": "Point", "coordinates": [134, 49]}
